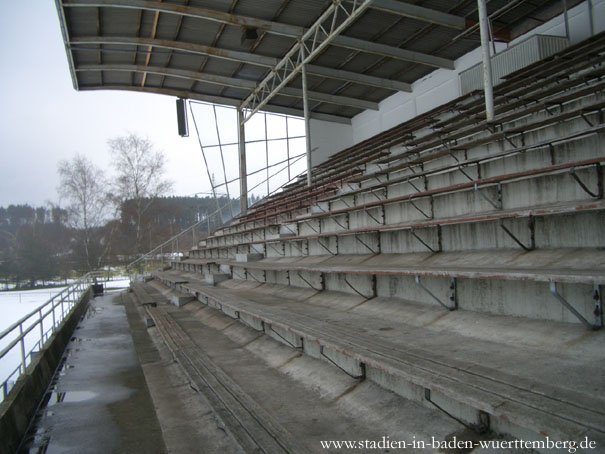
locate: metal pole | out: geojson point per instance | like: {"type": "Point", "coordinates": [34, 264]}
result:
{"type": "Point", "coordinates": [267, 154]}
{"type": "Point", "coordinates": [590, 17]}
{"type": "Point", "coordinates": [243, 177]}
{"type": "Point", "coordinates": [566, 19]}
{"type": "Point", "coordinates": [487, 65]}
{"type": "Point", "coordinates": [288, 148]}
{"type": "Point", "coordinates": [306, 110]}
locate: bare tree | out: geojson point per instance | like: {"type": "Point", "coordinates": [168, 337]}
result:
{"type": "Point", "coordinates": [140, 176]}
{"type": "Point", "coordinates": [83, 184]}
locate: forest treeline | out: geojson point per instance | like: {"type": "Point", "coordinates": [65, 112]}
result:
{"type": "Point", "coordinates": [38, 244]}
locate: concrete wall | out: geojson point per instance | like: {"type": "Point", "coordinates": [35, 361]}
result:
{"type": "Point", "coordinates": [443, 85]}
{"type": "Point", "coordinates": [329, 138]}
{"type": "Point", "coordinates": [20, 406]}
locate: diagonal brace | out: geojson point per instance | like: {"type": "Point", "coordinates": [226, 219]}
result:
{"type": "Point", "coordinates": [598, 310]}
{"type": "Point", "coordinates": [452, 294]}
{"type": "Point", "coordinates": [599, 193]}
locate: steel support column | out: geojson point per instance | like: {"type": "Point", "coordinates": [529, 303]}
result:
{"type": "Point", "coordinates": [487, 64]}
{"type": "Point", "coordinates": [243, 179]}
{"type": "Point", "coordinates": [307, 120]}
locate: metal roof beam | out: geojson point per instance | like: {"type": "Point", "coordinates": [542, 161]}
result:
{"type": "Point", "coordinates": [222, 100]}
{"type": "Point", "coordinates": [291, 31]}
{"type": "Point", "coordinates": [321, 33]}
{"type": "Point", "coordinates": [243, 57]}
{"type": "Point", "coordinates": [244, 84]}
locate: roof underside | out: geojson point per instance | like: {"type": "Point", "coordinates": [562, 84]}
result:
{"type": "Point", "coordinates": [195, 49]}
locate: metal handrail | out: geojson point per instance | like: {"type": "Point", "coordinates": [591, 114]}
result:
{"type": "Point", "coordinates": [70, 296]}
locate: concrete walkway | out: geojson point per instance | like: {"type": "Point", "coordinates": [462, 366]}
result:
{"type": "Point", "coordinates": [100, 402]}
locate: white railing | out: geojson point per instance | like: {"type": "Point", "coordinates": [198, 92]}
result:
{"type": "Point", "coordinates": [28, 335]}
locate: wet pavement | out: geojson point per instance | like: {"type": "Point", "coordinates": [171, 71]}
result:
{"type": "Point", "coordinates": [99, 401]}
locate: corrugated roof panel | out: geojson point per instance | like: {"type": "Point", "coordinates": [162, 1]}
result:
{"type": "Point", "coordinates": [86, 56]}
{"type": "Point", "coordinates": [168, 25]}
{"type": "Point", "coordinates": [198, 31]}
{"type": "Point", "coordinates": [332, 56]}
{"type": "Point", "coordinates": [124, 58]}
{"type": "Point", "coordinates": [81, 21]}
{"type": "Point", "coordinates": [89, 78]}
{"type": "Point", "coordinates": [262, 9]}
{"type": "Point", "coordinates": [147, 21]}
{"type": "Point", "coordinates": [219, 5]}
{"type": "Point", "coordinates": [362, 62]}
{"type": "Point", "coordinates": [365, 92]}
{"type": "Point", "coordinates": [190, 62]}
{"type": "Point", "coordinates": [177, 83]}
{"type": "Point", "coordinates": [221, 66]}
{"type": "Point", "coordinates": [371, 25]}
{"type": "Point", "coordinates": [252, 72]}
{"type": "Point", "coordinates": [121, 21]}
{"type": "Point", "coordinates": [159, 58]}
{"type": "Point", "coordinates": [207, 89]}
{"type": "Point", "coordinates": [117, 78]}
{"type": "Point", "coordinates": [238, 93]}
{"type": "Point", "coordinates": [303, 13]}
{"type": "Point", "coordinates": [274, 45]}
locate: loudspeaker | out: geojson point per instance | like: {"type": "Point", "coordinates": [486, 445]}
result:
{"type": "Point", "coordinates": [181, 117]}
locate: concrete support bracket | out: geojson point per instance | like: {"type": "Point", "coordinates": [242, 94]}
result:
{"type": "Point", "coordinates": [358, 292]}
{"type": "Point", "coordinates": [368, 247]}
{"type": "Point", "coordinates": [326, 247]}
{"type": "Point", "coordinates": [599, 193]}
{"type": "Point", "coordinates": [531, 224]}
{"type": "Point", "coordinates": [311, 285]}
{"type": "Point", "coordinates": [598, 310]}
{"type": "Point", "coordinates": [498, 203]}
{"type": "Point", "coordinates": [453, 298]}
{"type": "Point", "coordinates": [424, 243]}
{"type": "Point", "coordinates": [419, 210]}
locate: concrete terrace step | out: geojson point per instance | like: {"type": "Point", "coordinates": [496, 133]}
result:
{"type": "Point", "coordinates": [146, 294]}
{"type": "Point", "coordinates": [252, 428]}
{"type": "Point", "coordinates": [578, 265]}
{"type": "Point", "coordinates": [529, 392]}
{"type": "Point", "coordinates": [246, 238]}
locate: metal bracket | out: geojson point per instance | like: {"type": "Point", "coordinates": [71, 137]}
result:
{"type": "Point", "coordinates": [300, 248]}
{"type": "Point", "coordinates": [510, 141]}
{"type": "Point", "coordinates": [281, 252]}
{"type": "Point", "coordinates": [465, 174]}
{"type": "Point", "coordinates": [498, 204]}
{"type": "Point", "coordinates": [418, 209]}
{"type": "Point", "coordinates": [586, 119]}
{"type": "Point", "coordinates": [312, 228]}
{"type": "Point", "coordinates": [599, 193]}
{"type": "Point", "coordinates": [362, 242]}
{"type": "Point", "coordinates": [532, 237]}
{"type": "Point", "coordinates": [357, 291]}
{"type": "Point", "coordinates": [286, 226]}
{"type": "Point", "coordinates": [374, 194]}
{"type": "Point", "coordinates": [413, 185]}
{"type": "Point", "coordinates": [452, 298]}
{"type": "Point", "coordinates": [308, 283]}
{"type": "Point", "coordinates": [362, 365]}
{"type": "Point", "coordinates": [415, 235]}
{"type": "Point", "coordinates": [598, 310]}
{"type": "Point", "coordinates": [265, 325]}
{"type": "Point", "coordinates": [326, 247]}
{"type": "Point", "coordinates": [375, 220]}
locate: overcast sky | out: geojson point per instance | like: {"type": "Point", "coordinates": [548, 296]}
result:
{"type": "Point", "coordinates": [44, 120]}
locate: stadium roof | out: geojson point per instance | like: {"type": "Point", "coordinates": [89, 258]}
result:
{"type": "Point", "coordinates": [220, 51]}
